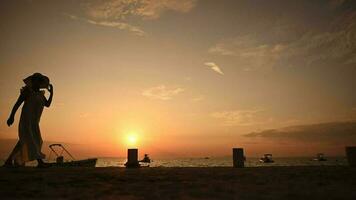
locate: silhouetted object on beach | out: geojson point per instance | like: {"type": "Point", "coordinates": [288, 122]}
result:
{"type": "Point", "coordinates": [238, 157]}
{"type": "Point", "coordinates": [351, 155]}
{"type": "Point", "coordinates": [267, 158]}
{"type": "Point", "coordinates": [320, 157]}
{"type": "Point", "coordinates": [29, 146]}
{"type": "Point", "coordinates": [146, 159]}
{"type": "Point", "coordinates": [132, 158]}
{"type": "Point", "coordinates": [73, 163]}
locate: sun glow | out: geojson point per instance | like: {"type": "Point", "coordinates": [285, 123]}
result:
{"type": "Point", "coordinates": [131, 140]}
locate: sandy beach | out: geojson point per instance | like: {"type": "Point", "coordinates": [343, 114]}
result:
{"type": "Point", "coordinates": [324, 182]}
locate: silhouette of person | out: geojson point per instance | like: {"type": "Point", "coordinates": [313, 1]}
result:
{"type": "Point", "coordinates": [29, 146]}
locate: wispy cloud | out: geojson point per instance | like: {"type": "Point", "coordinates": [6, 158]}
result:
{"type": "Point", "coordinates": [250, 52]}
{"type": "Point", "coordinates": [214, 67]}
{"type": "Point", "coordinates": [238, 117]}
{"type": "Point", "coordinates": [119, 25]}
{"type": "Point", "coordinates": [324, 132]}
{"type": "Point", "coordinates": [162, 92]}
{"type": "Point", "coordinates": [146, 9]}
{"type": "Point", "coordinates": [118, 13]}
{"type": "Point", "coordinates": [253, 51]}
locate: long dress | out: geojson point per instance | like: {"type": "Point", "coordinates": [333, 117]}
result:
{"type": "Point", "coordinates": [30, 140]}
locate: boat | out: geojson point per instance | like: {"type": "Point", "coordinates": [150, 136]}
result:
{"type": "Point", "coordinates": [320, 157]}
{"type": "Point", "coordinates": [267, 158]}
{"type": "Point", "coordinates": [91, 162]}
{"type": "Point", "coordinates": [145, 159]}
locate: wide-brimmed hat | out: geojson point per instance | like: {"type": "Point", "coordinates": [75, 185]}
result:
{"type": "Point", "coordinates": [43, 80]}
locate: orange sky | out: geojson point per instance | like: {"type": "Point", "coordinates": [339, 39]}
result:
{"type": "Point", "coordinates": [187, 77]}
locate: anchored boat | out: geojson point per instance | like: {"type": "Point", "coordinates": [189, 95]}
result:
{"type": "Point", "coordinates": [320, 157]}
{"type": "Point", "coordinates": [267, 158]}
{"type": "Point", "coordinates": [73, 163]}
{"type": "Point", "coordinates": [145, 159]}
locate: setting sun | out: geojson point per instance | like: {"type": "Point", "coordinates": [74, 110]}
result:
{"type": "Point", "coordinates": [131, 139]}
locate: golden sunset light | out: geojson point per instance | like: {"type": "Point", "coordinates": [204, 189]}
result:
{"type": "Point", "coordinates": [201, 75]}
{"type": "Point", "coordinates": [185, 93]}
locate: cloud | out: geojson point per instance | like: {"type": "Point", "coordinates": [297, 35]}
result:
{"type": "Point", "coordinates": [162, 92]}
{"type": "Point", "coordinates": [336, 132]}
{"type": "Point", "coordinates": [146, 9]}
{"type": "Point", "coordinates": [249, 51]}
{"type": "Point", "coordinates": [336, 44]}
{"type": "Point", "coordinates": [238, 117]}
{"type": "Point", "coordinates": [118, 13]}
{"type": "Point", "coordinates": [119, 25]}
{"type": "Point", "coordinates": [214, 67]}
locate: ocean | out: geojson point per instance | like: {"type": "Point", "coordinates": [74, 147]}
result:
{"type": "Point", "coordinates": [219, 162]}
{"type": "Point", "coordinates": [225, 162]}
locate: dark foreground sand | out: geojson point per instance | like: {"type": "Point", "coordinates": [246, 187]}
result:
{"type": "Point", "coordinates": [179, 183]}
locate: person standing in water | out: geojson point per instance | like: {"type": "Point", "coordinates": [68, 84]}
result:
{"type": "Point", "coordinates": [29, 146]}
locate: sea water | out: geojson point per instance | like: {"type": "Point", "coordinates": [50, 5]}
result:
{"type": "Point", "coordinates": [219, 162]}
{"type": "Point", "coordinates": [225, 162]}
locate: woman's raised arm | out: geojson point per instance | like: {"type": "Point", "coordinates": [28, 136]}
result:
{"type": "Point", "coordinates": [49, 101]}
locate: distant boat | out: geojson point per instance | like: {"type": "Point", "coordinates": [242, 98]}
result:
{"type": "Point", "coordinates": [74, 163]}
{"type": "Point", "coordinates": [267, 158]}
{"type": "Point", "coordinates": [206, 158]}
{"type": "Point", "coordinates": [146, 159]}
{"type": "Point", "coordinates": [320, 157]}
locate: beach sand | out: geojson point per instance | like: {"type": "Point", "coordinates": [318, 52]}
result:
{"type": "Point", "coordinates": [324, 182]}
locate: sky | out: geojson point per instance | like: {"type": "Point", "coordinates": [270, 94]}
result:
{"type": "Point", "coordinates": [186, 77]}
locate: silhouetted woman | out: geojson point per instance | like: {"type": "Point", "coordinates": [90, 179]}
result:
{"type": "Point", "coordinates": [29, 146]}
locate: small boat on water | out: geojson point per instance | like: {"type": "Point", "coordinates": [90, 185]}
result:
{"type": "Point", "coordinates": [320, 157]}
{"type": "Point", "coordinates": [267, 158]}
{"type": "Point", "coordinates": [145, 159]}
{"type": "Point", "coordinates": [73, 163]}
